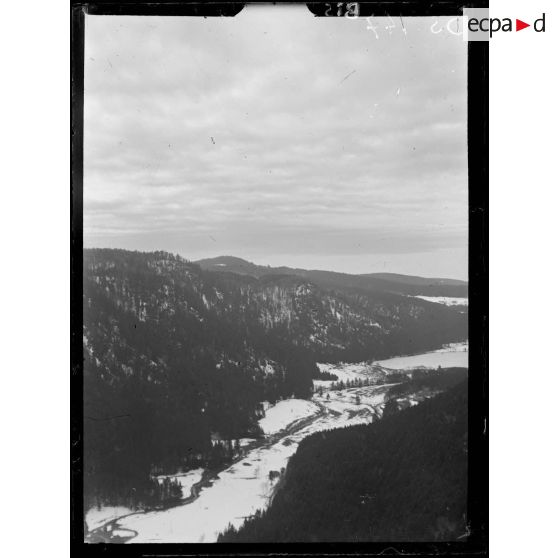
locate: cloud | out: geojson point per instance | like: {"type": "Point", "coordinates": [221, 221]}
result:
{"type": "Point", "coordinates": [282, 136]}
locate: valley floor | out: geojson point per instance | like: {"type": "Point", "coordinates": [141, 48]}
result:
{"type": "Point", "coordinates": [216, 500]}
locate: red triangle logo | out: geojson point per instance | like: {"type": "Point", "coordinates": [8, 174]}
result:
{"type": "Point", "coordinates": [519, 25]}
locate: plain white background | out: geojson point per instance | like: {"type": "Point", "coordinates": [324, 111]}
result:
{"type": "Point", "coordinates": [35, 293]}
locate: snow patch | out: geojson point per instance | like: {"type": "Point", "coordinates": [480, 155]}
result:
{"type": "Point", "coordinates": [452, 355]}
{"type": "Point", "coordinates": [285, 413]}
{"type": "Point", "coordinates": [246, 441]}
{"type": "Point", "coordinates": [446, 300]}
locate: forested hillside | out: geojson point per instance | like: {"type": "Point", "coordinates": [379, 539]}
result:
{"type": "Point", "coordinates": [403, 478]}
{"type": "Point", "coordinates": [174, 355]}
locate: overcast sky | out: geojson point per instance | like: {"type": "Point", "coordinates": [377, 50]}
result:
{"type": "Point", "coordinates": [280, 138]}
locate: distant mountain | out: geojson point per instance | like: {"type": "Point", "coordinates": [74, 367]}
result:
{"type": "Point", "coordinates": [415, 280]}
{"type": "Point", "coordinates": [371, 282]}
{"type": "Point", "coordinates": [402, 478]}
{"type": "Point", "coordinates": [428, 286]}
{"type": "Point", "coordinates": [178, 354]}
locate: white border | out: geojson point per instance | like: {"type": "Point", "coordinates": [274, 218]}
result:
{"type": "Point", "coordinates": [35, 282]}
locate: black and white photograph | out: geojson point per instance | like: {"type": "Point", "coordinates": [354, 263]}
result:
{"type": "Point", "coordinates": [275, 287]}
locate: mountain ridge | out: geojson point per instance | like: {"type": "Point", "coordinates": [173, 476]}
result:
{"type": "Point", "coordinates": [411, 285]}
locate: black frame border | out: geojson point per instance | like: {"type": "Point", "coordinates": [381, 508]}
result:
{"type": "Point", "coordinates": [477, 138]}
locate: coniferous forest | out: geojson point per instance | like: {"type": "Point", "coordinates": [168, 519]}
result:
{"type": "Point", "coordinates": [403, 478]}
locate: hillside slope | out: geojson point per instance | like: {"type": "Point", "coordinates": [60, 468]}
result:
{"type": "Point", "coordinates": [403, 478]}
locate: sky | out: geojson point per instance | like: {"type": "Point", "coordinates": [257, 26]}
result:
{"type": "Point", "coordinates": [280, 138]}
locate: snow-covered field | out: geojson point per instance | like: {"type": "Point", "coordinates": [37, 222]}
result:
{"type": "Point", "coordinates": [455, 354]}
{"type": "Point", "coordinates": [186, 480]}
{"type": "Point", "coordinates": [454, 347]}
{"type": "Point", "coordinates": [284, 413]}
{"type": "Point", "coordinates": [97, 517]}
{"type": "Point", "coordinates": [446, 300]}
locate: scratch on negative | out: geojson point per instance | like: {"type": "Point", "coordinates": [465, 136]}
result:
{"type": "Point", "coordinates": [347, 76]}
{"type": "Point", "coordinates": [106, 418]}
